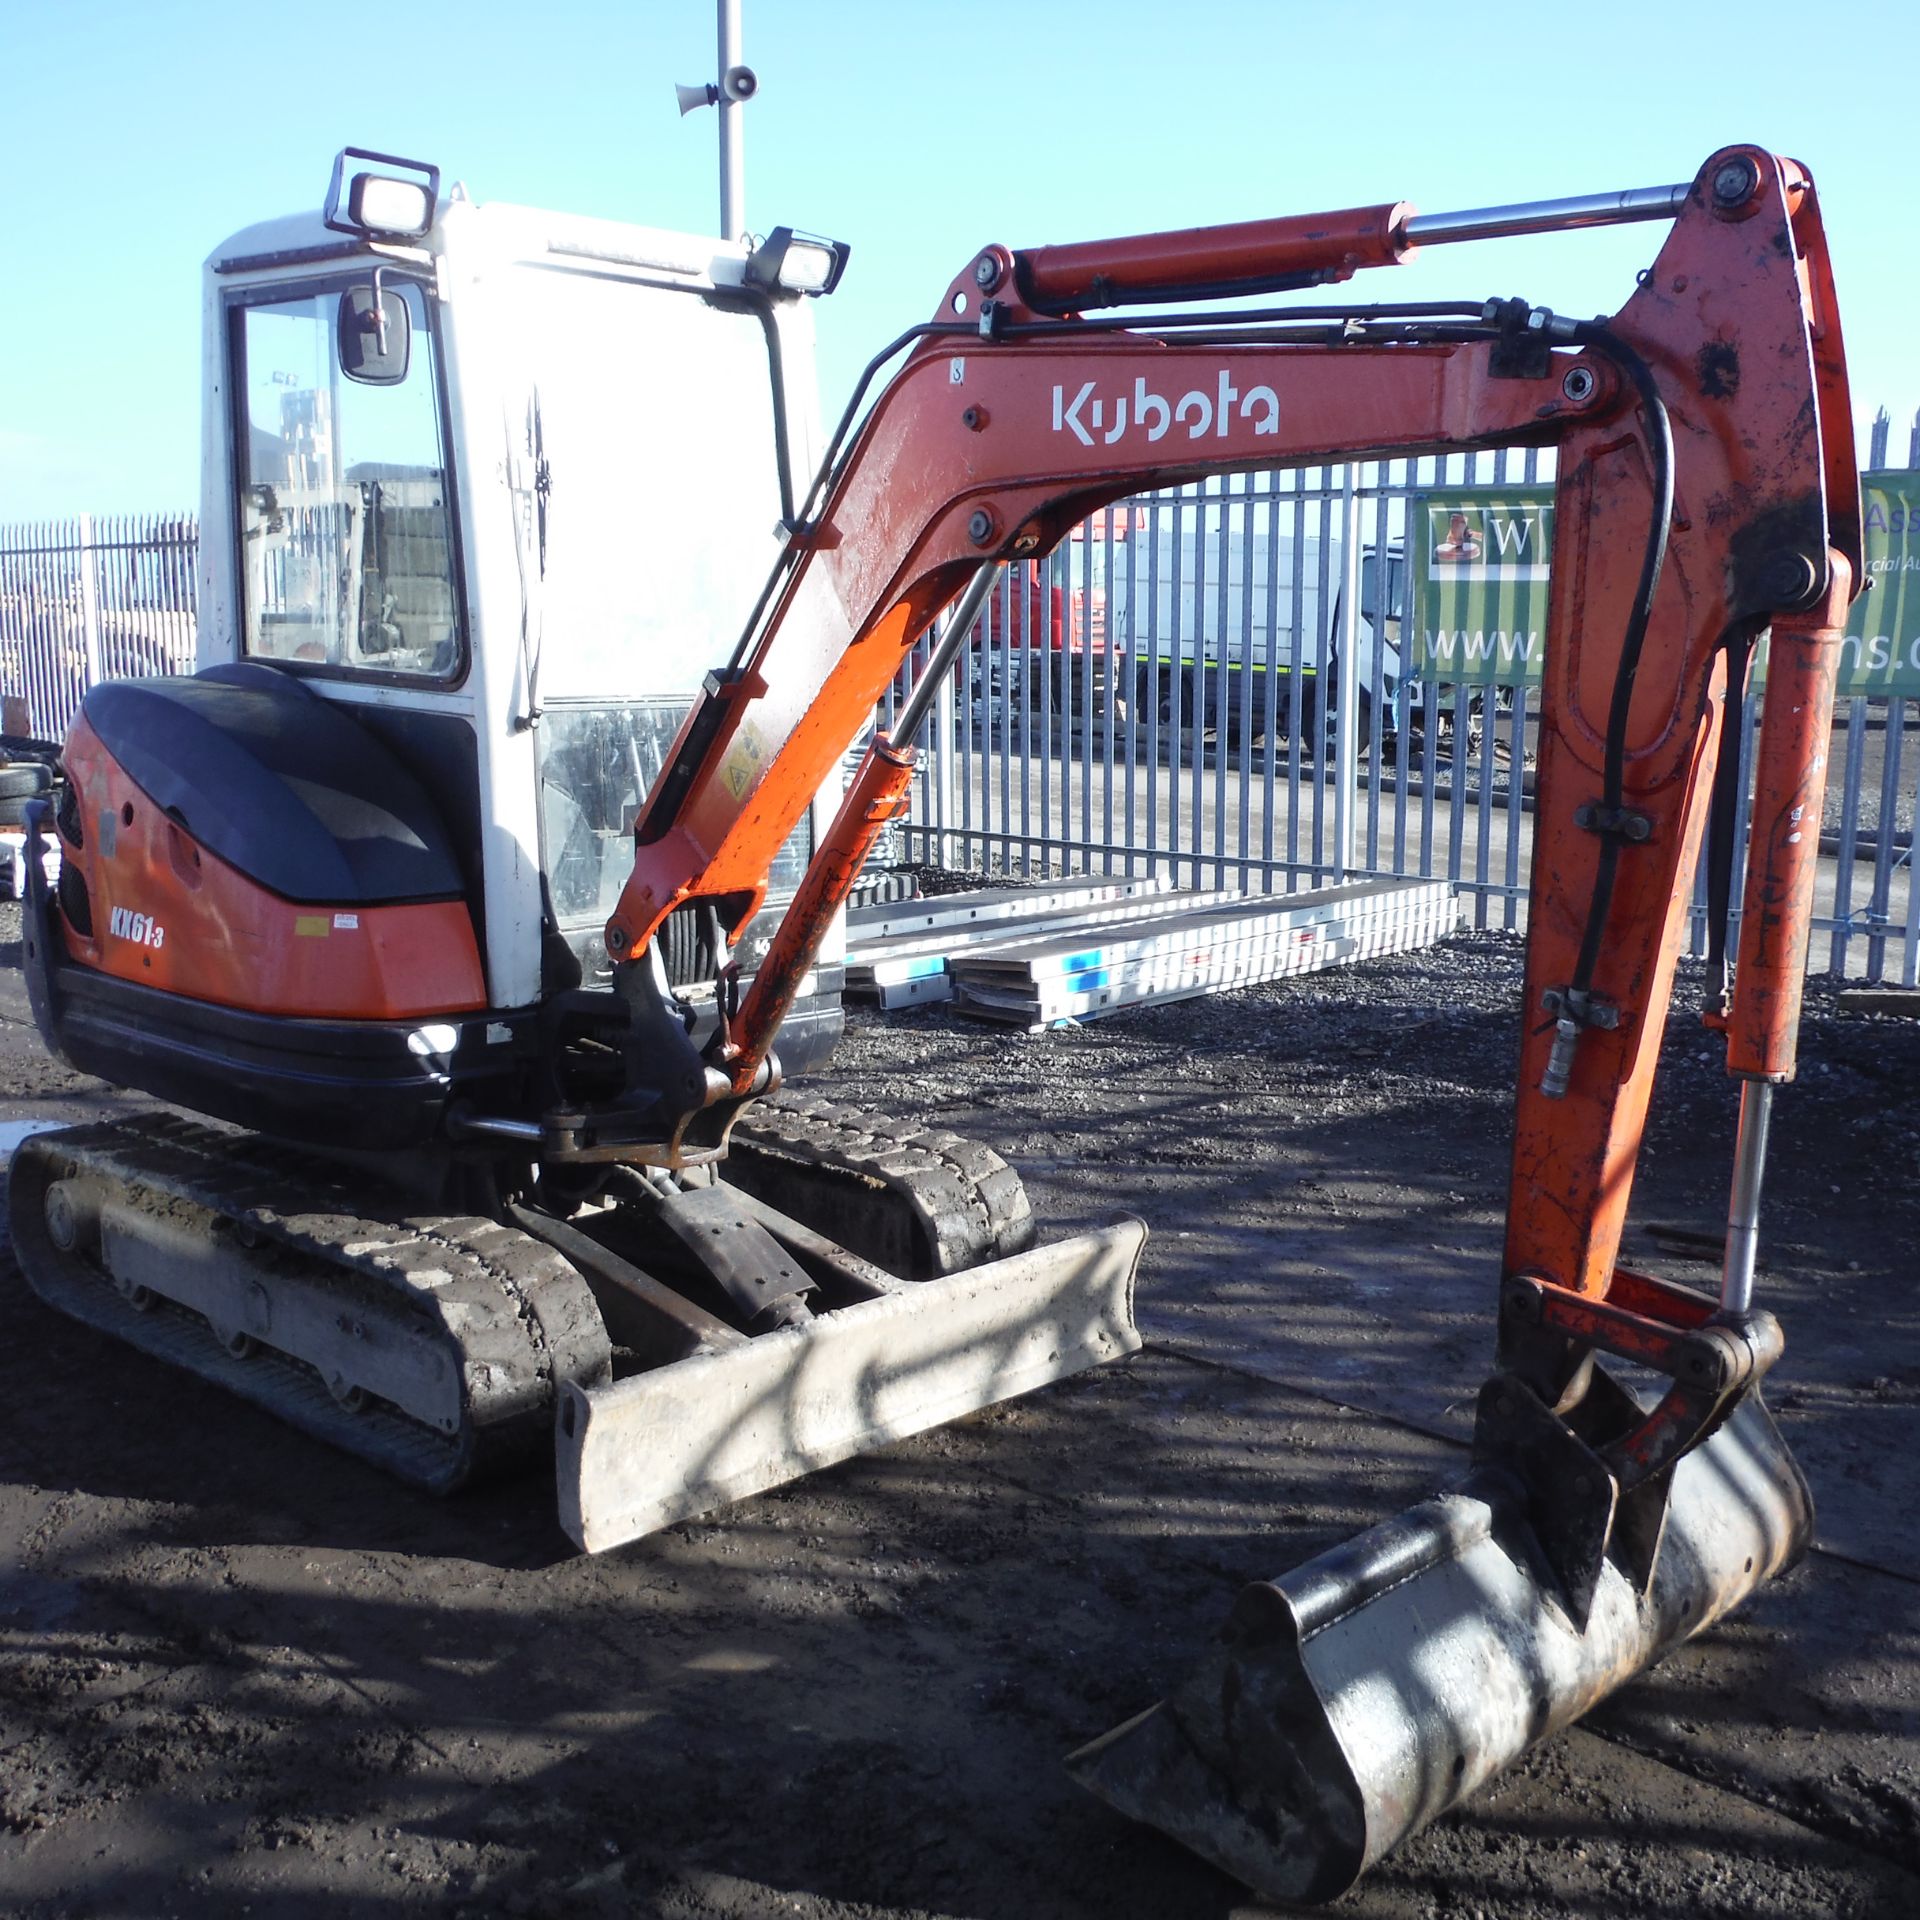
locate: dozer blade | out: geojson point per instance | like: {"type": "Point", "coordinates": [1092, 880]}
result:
{"type": "Point", "coordinates": [1361, 1696]}
{"type": "Point", "coordinates": [699, 1432]}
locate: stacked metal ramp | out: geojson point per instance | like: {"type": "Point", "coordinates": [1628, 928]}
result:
{"type": "Point", "coordinates": [897, 954]}
{"type": "Point", "coordinates": [1070, 960]}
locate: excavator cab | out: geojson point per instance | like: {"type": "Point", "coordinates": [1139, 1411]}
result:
{"type": "Point", "coordinates": [507, 486]}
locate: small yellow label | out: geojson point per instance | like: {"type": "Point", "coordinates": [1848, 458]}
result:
{"type": "Point", "coordinates": [312, 925]}
{"type": "Point", "coordinates": [743, 761]}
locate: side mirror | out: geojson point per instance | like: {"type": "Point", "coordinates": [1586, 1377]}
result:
{"type": "Point", "coordinates": [375, 335]}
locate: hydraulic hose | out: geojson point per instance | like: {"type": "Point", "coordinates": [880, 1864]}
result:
{"type": "Point", "coordinates": [1652, 560]}
{"type": "Point", "coordinates": [1431, 323]}
{"type": "Point", "coordinates": [1574, 1002]}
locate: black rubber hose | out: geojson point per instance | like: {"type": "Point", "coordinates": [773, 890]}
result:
{"type": "Point", "coordinates": [823, 480]}
{"type": "Point", "coordinates": [1660, 450]}
{"type": "Point", "coordinates": [1390, 322]}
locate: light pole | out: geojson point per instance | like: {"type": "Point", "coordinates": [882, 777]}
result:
{"type": "Point", "coordinates": [735, 87]}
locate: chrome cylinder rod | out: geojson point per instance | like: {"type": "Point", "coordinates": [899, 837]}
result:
{"type": "Point", "coordinates": [1743, 1208]}
{"type": "Point", "coordinates": [480, 1126]}
{"type": "Point", "coordinates": [966, 610]}
{"type": "Point", "coordinates": [1548, 216]}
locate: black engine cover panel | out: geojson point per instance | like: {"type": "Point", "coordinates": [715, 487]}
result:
{"type": "Point", "coordinates": [281, 784]}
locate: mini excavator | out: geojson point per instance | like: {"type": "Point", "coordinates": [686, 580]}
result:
{"type": "Point", "coordinates": [467, 887]}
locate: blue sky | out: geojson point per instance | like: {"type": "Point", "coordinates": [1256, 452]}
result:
{"type": "Point", "coordinates": [135, 136]}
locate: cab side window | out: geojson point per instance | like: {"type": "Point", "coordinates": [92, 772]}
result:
{"type": "Point", "coordinates": [346, 542]}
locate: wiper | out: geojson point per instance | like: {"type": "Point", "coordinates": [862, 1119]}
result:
{"type": "Point", "coordinates": [542, 481]}
{"type": "Point", "coordinates": [535, 454]}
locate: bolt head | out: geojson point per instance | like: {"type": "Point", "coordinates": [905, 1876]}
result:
{"type": "Point", "coordinates": [1578, 385]}
{"type": "Point", "coordinates": [986, 273]}
{"type": "Point", "coordinates": [1735, 182]}
{"type": "Point", "coordinates": [1791, 579]}
{"type": "Point", "coordinates": [980, 526]}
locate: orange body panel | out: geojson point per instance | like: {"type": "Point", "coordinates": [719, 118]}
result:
{"type": "Point", "coordinates": [169, 914]}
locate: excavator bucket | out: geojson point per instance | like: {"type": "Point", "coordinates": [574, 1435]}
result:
{"type": "Point", "coordinates": [1357, 1698]}
{"type": "Point", "coordinates": [718, 1425]}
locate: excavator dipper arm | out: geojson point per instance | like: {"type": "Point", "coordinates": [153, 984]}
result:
{"type": "Point", "coordinates": [1707, 493]}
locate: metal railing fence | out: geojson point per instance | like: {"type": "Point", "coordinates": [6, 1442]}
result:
{"type": "Point", "coordinates": [1162, 697]}
{"type": "Point", "coordinates": [1169, 702]}
{"type": "Point", "coordinates": [89, 599]}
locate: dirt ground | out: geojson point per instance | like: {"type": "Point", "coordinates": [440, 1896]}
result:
{"type": "Point", "coordinates": [240, 1675]}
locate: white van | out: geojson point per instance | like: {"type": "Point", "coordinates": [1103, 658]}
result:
{"type": "Point", "coordinates": [1199, 610]}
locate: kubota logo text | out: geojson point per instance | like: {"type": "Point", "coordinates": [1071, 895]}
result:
{"type": "Point", "coordinates": [141, 928]}
{"type": "Point", "coordinates": [1153, 414]}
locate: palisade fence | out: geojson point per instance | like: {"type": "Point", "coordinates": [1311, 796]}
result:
{"type": "Point", "coordinates": [1164, 697]}
{"type": "Point", "coordinates": [1166, 694]}
{"type": "Point", "coordinates": [91, 599]}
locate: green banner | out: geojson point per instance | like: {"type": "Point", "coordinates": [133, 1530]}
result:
{"type": "Point", "coordinates": [1480, 559]}
{"type": "Point", "coordinates": [1480, 587]}
{"type": "Point", "coordinates": [1881, 653]}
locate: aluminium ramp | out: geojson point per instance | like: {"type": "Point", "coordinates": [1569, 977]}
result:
{"type": "Point", "coordinates": [981, 905]}
{"type": "Point", "coordinates": [915, 967]}
{"type": "Point", "coordinates": [897, 952]}
{"type": "Point", "coordinates": [1208, 951]}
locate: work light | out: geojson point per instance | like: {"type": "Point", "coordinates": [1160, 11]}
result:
{"type": "Point", "coordinates": [789, 262]}
{"type": "Point", "coordinates": [379, 204]}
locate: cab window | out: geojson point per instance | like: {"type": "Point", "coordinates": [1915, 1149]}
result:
{"type": "Point", "coordinates": [346, 543]}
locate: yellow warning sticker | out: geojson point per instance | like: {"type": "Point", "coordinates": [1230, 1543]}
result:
{"type": "Point", "coordinates": [743, 761]}
{"type": "Point", "coordinates": [312, 925]}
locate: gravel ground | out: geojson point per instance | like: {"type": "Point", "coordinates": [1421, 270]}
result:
{"type": "Point", "coordinates": [239, 1675]}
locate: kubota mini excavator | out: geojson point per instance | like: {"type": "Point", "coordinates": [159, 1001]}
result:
{"type": "Point", "coordinates": [445, 878]}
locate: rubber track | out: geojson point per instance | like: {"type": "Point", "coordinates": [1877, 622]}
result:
{"type": "Point", "coordinates": [517, 1315]}
{"type": "Point", "coordinates": [915, 1198]}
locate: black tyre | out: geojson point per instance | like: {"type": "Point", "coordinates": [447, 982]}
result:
{"type": "Point", "coordinates": [23, 779]}
{"type": "Point", "coordinates": [1309, 714]}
